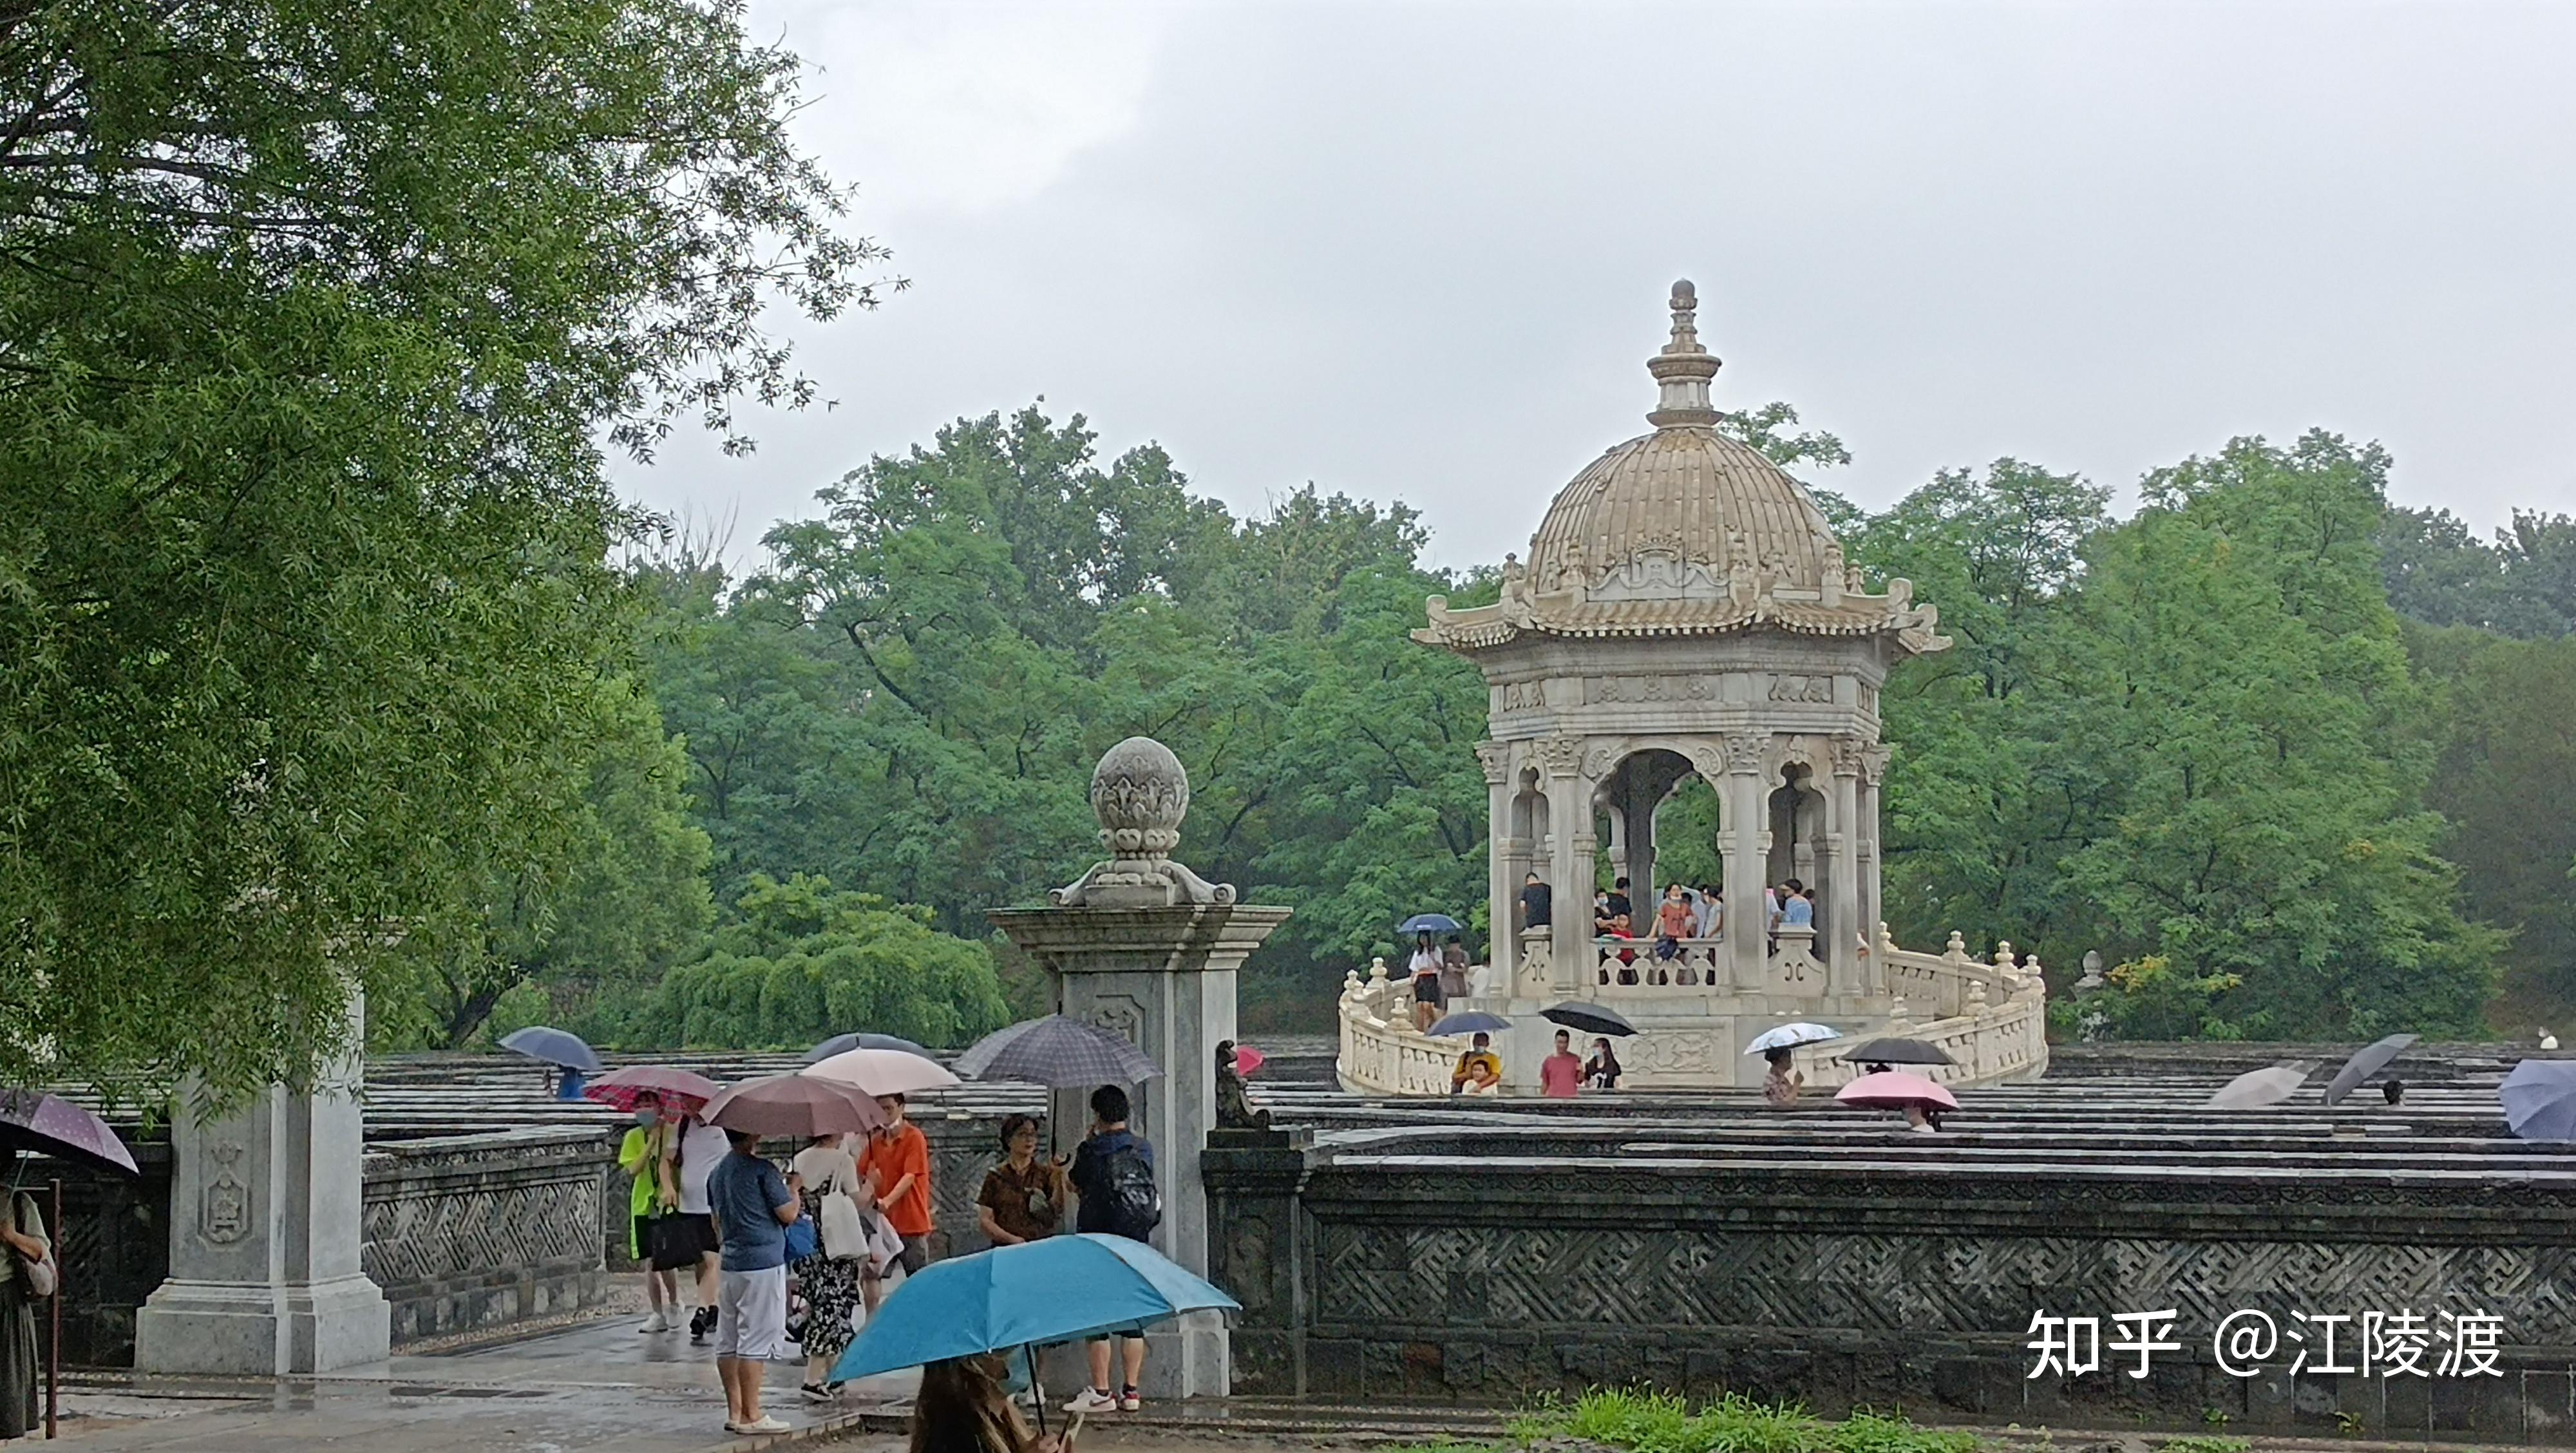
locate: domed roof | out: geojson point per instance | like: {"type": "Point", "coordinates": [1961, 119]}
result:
{"type": "Point", "coordinates": [1686, 530]}
{"type": "Point", "coordinates": [1685, 491]}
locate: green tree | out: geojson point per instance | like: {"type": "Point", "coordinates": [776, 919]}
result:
{"type": "Point", "coordinates": [588, 916]}
{"type": "Point", "coordinates": [800, 961]}
{"type": "Point", "coordinates": [2241, 671]}
{"type": "Point", "coordinates": [2512, 749]}
{"type": "Point", "coordinates": [314, 313]}
{"type": "Point", "coordinates": [1986, 796]}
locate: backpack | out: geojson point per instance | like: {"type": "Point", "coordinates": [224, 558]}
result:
{"type": "Point", "coordinates": [1135, 1202]}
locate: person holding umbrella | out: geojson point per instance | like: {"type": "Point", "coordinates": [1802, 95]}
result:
{"type": "Point", "coordinates": [1601, 1072]}
{"type": "Point", "coordinates": [28, 1248]}
{"type": "Point", "coordinates": [754, 1206]}
{"type": "Point", "coordinates": [1424, 967]}
{"type": "Point", "coordinates": [640, 1155]}
{"type": "Point", "coordinates": [896, 1163]}
{"type": "Point", "coordinates": [1780, 1088]}
{"type": "Point", "coordinates": [1560, 1075]}
{"type": "Point", "coordinates": [964, 1407]}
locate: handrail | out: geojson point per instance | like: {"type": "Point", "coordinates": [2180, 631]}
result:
{"type": "Point", "coordinates": [1990, 1016]}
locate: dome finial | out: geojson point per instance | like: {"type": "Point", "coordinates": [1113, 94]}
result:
{"type": "Point", "coordinates": [1684, 368]}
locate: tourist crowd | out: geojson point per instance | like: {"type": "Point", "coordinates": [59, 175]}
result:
{"type": "Point", "coordinates": [786, 1261]}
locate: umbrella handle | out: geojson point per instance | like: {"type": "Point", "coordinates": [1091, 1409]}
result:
{"type": "Point", "coordinates": [1030, 1352]}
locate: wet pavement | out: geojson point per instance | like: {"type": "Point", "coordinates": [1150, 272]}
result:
{"type": "Point", "coordinates": [599, 1386]}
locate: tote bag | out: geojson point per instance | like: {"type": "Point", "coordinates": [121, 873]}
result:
{"type": "Point", "coordinates": [845, 1231]}
{"type": "Point", "coordinates": [43, 1278]}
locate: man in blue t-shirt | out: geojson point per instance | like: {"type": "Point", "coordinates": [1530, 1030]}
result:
{"type": "Point", "coordinates": [752, 1206]}
{"type": "Point", "coordinates": [1113, 1173]}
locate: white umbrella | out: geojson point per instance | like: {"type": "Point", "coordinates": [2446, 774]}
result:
{"type": "Point", "coordinates": [2267, 1086]}
{"type": "Point", "coordinates": [1788, 1035]}
{"type": "Point", "coordinates": [884, 1072]}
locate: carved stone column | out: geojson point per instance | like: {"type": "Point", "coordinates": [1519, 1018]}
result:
{"type": "Point", "coordinates": [1873, 858]}
{"type": "Point", "coordinates": [265, 1210]}
{"type": "Point", "coordinates": [1569, 819]}
{"type": "Point", "coordinates": [1746, 939]}
{"type": "Point", "coordinates": [1503, 883]}
{"type": "Point", "coordinates": [1838, 926]}
{"type": "Point", "coordinates": [1144, 947]}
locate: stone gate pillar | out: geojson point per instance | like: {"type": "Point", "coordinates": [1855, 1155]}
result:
{"type": "Point", "coordinates": [1144, 947]}
{"type": "Point", "coordinates": [265, 1204]}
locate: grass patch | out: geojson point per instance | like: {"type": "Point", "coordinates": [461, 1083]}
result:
{"type": "Point", "coordinates": [1444, 1445]}
{"type": "Point", "coordinates": [2205, 1445]}
{"type": "Point", "coordinates": [1644, 1421]}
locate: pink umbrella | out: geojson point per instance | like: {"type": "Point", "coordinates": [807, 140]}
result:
{"type": "Point", "coordinates": [1247, 1059]}
{"type": "Point", "coordinates": [797, 1105]}
{"type": "Point", "coordinates": [679, 1091]}
{"type": "Point", "coordinates": [32, 1120]}
{"type": "Point", "coordinates": [1892, 1090]}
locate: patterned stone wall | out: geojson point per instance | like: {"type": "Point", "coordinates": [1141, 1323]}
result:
{"type": "Point", "coordinates": [1483, 1278]}
{"type": "Point", "coordinates": [472, 1231]}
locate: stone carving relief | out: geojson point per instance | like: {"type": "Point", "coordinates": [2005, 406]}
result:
{"type": "Point", "coordinates": [1602, 758]}
{"type": "Point", "coordinates": [1562, 756]}
{"type": "Point", "coordinates": [1803, 689]}
{"type": "Point", "coordinates": [1873, 763]}
{"type": "Point", "coordinates": [1520, 696]}
{"type": "Point", "coordinates": [1673, 1052]}
{"type": "Point", "coordinates": [1387, 1272]}
{"type": "Point", "coordinates": [1655, 573]}
{"type": "Point", "coordinates": [1869, 698]}
{"type": "Point", "coordinates": [223, 1211]}
{"type": "Point", "coordinates": [1119, 1015]}
{"type": "Point", "coordinates": [1140, 794]}
{"type": "Point", "coordinates": [1627, 690]}
{"type": "Point", "coordinates": [1745, 753]}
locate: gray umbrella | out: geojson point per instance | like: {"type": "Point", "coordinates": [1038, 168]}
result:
{"type": "Point", "coordinates": [2362, 1066]}
{"type": "Point", "coordinates": [1897, 1052]}
{"type": "Point", "coordinates": [554, 1046]}
{"type": "Point", "coordinates": [2255, 1088]}
{"type": "Point", "coordinates": [844, 1043]}
{"type": "Point", "coordinates": [1058, 1052]}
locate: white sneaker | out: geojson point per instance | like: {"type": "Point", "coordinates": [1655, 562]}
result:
{"type": "Point", "coordinates": [767, 1424]}
{"type": "Point", "coordinates": [1093, 1400]}
{"type": "Point", "coordinates": [660, 1321]}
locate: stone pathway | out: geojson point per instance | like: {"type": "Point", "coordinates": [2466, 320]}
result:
{"type": "Point", "coordinates": [590, 1389]}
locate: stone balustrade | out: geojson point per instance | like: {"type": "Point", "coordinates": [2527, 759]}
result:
{"type": "Point", "coordinates": [1381, 1049]}
{"type": "Point", "coordinates": [1988, 1015]}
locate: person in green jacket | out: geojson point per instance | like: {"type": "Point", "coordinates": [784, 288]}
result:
{"type": "Point", "coordinates": [643, 1154]}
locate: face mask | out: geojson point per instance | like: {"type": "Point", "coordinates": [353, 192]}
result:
{"type": "Point", "coordinates": [647, 1116]}
{"type": "Point", "coordinates": [1017, 1380]}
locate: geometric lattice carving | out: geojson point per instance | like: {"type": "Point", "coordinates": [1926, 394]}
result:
{"type": "Point", "coordinates": [430, 1234]}
{"type": "Point", "coordinates": [1967, 1284]}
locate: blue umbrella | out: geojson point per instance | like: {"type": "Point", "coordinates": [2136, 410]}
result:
{"type": "Point", "coordinates": [1059, 1289]}
{"type": "Point", "coordinates": [2540, 1099]}
{"type": "Point", "coordinates": [554, 1046]}
{"type": "Point", "coordinates": [1472, 1022]}
{"type": "Point", "coordinates": [1428, 923]}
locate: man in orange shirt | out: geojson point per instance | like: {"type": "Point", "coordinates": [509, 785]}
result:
{"type": "Point", "coordinates": [897, 1165]}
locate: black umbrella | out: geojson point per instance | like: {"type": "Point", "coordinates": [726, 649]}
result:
{"type": "Point", "coordinates": [2372, 1059]}
{"type": "Point", "coordinates": [1589, 1018]}
{"type": "Point", "coordinates": [1897, 1052]}
{"type": "Point", "coordinates": [1059, 1052]}
{"type": "Point", "coordinates": [844, 1043]}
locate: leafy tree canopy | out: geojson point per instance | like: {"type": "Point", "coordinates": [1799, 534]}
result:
{"type": "Point", "coordinates": [312, 315]}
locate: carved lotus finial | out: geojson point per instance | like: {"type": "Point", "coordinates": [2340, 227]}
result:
{"type": "Point", "coordinates": [1140, 792]}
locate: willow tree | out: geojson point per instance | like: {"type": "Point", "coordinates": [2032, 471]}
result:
{"type": "Point", "coordinates": [317, 318]}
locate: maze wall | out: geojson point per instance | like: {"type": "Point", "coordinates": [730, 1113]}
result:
{"type": "Point", "coordinates": [1490, 1279]}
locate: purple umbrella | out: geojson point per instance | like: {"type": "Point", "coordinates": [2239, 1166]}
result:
{"type": "Point", "coordinates": [30, 1120]}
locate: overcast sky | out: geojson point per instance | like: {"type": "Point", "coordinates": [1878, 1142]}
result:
{"type": "Point", "coordinates": [1421, 251]}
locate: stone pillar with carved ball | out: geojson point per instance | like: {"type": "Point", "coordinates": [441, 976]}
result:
{"type": "Point", "coordinates": [266, 1201]}
{"type": "Point", "coordinates": [1142, 946]}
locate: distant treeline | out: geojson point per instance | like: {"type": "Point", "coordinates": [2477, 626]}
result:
{"type": "Point", "coordinates": [2284, 755]}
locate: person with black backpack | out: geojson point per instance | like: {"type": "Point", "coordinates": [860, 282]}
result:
{"type": "Point", "coordinates": [1113, 1173]}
